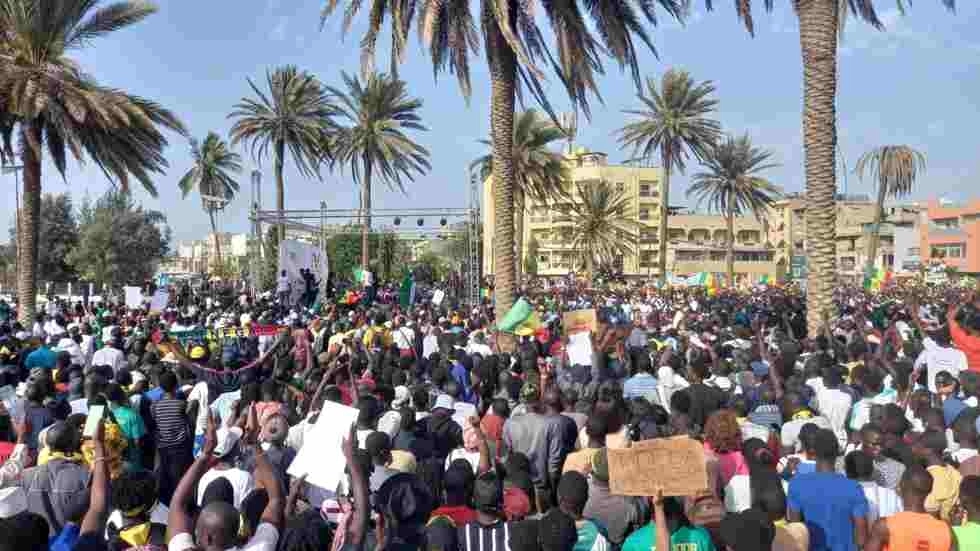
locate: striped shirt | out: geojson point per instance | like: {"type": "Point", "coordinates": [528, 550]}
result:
{"type": "Point", "coordinates": [478, 537]}
{"type": "Point", "coordinates": [171, 420]}
{"type": "Point", "coordinates": [641, 385]}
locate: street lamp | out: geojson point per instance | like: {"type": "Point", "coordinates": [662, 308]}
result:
{"type": "Point", "coordinates": [15, 169]}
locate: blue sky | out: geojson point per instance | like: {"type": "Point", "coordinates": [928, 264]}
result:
{"type": "Point", "coordinates": [917, 83]}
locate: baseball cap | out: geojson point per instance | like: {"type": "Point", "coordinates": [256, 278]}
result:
{"type": "Point", "coordinates": [488, 493]}
{"type": "Point", "coordinates": [406, 498]}
{"type": "Point", "coordinates": [750, 530]}
{"type": "Point", "coordinates": [227, 439]}
{"type": "Point", "coordinates": [403, 462]}
{"type": "Point", "coordinates": [443, 401]}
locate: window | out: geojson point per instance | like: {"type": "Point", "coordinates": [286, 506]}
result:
{"type": "Point", "coordinates": [913, 251]}
{"type": "Point", "coordinates": [644, 214]}
{"type": "Point", "coordinates": [648, 235]}
{"type": "Point", "coordinates": [648, 188]}
{"type": "Point", "coordinates": [946, 223]}
{"type": "Point", "coordinates": [847, 263]}
{"type": "Point", "coordinates": [647, 259]}
{"type": "Point", "coordinates": [949, 250]}
{"type": "Point", "coordinates": [888, 260]}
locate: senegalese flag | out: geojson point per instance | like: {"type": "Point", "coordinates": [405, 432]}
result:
{"type": "Point", "coordinates": [876, 278]}
{"type": "Point", "coordinates": [521, 319]}
{"type": "Point", "coordinates": [766, 280]}
{"type": "Point", "coordinates": [406, 291]}
{"type": "Point", "coordinates": [359, 275]}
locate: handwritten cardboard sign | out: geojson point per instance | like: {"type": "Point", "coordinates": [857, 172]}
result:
{"type": "Point", "coordinates": [577, 321]}
{"type": "Point", "coordinates": [675, 464]}
{"type": "Point", "coordinates": [321, 457]}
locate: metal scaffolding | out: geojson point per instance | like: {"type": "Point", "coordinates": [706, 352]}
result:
{"type": "Point", "coordinates": [323, 223]}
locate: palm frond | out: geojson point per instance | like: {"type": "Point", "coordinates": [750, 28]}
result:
{"type": "Point", "coordinates": [731, 178]}
{"type": "Point", "coordinates": [895, 167]}
{"type": "Point", "coordinates": [604, 226]}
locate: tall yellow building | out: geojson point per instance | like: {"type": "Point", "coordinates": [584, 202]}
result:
{"type": "Point", "coordinates": [696, 241]}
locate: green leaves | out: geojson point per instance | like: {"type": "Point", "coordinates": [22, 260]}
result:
{"type": "Point", "coordinates": [731, 177]}
{"type": "Point", "coordinates": [894, 167]}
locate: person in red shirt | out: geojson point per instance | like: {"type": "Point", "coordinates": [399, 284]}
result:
{"type": "Point", "coordinates": [966, 335]}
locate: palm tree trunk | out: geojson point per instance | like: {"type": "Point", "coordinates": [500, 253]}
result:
{"type": "Point", "coordinates": [30, 220]}
{"type": "Point", "coordinates": [281, 189]}
{"type": "Point", "coordinates": [217, 239]}
{"type": "Point", "coordinates": [818, 42]}
{"type": "Point", "coordinates": [875, 236]}
{"type": "Point", "coordinates": [503, 76]}
{"type": "Point", "coordinates": [664, 214]}
{"type": "Point", "coordinates": [366, 212]}
{"type": "Point", "coordinates": [519, 206]}
{"type": "Point", "coordinates": [730, 253]}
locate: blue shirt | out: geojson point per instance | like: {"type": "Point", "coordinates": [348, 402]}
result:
{"type": "Point", "coordinates": [641, 385]}
{"type": "Point", "coordinates": [829, 503]}
{"type": "Point", "coordinates": [462, 378]}
{"type": "Point", "coordinates": [43, 357]}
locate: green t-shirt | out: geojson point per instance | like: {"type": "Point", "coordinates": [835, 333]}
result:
{"type": "Point", "coordinates": [686, 538]}
{"type": "Point", "coordinates": [967, 536]}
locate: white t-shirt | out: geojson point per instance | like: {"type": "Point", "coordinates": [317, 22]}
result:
{"type": "Point", "coordinates": [938, 358]}
{"type": "Point", "coordinates": [110, 356]}
{"type": "Point", "coordinates": [265, 539]}
{"type": "Point", "coordinates": [430, 345]}
{"type": "Point", "coordinates": [403, 337]}
{"type": "Point", "coordinates": [282, 284]}
{"type": "Point", "coordinates": [241, 482]}
{"type": "Point", "coordinates": [834, 404]}
{"type": "Point", "coordinates": [882, 502]}
{"type": "Point", "coordinates": [200, 393]}
{"type": "Point", "coordinates": [789, 436]}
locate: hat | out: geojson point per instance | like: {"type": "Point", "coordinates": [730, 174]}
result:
{"type": "Point", "coordinates": [403, 462]}
{"type": "Point", "coordinates": [750, 530]}
{"type": "Point", "coordinates": [390, 423]}
{"type": "Point", "coordinates": [600, 465]}
{"type": "Point", "coordinates": [952, 408]}
{"type": "Point", "coordinates": [529, 392]}
{"type": "Point", "coordinates": [760, 369]}
{"type": "Point", "coordinates": [227, 438]}
{"type": "Point", "coordinates": [517, 504]}
{"type": "Point", "coordinates": [402, 397]}
{"type": "Point", "coordinates": [488, 493]}
{"type": "Point", "coordinates": [443, 401]}
{"type": "Point", "coordinates": [405, 497]}
{"type": "Point", "coordinates": [137, 377]}
{"type": "Point", "coordinates": [13, 501]}
{"type": "Point", "coordinates": [197, 352]}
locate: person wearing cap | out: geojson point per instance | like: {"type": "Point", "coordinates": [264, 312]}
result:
{"type": "Point", "coordinates": [489, 532]}
{"type": "Point", "coordinates": [834, 508]}
{"type": "Point", "coordinates": [445, 432]}
{"type": "Point", "coordinates": [225, 456]}
{"type": "Point", "coordinates": [111, 354]}
{"type": "Point", "coordinates": [914, 528]}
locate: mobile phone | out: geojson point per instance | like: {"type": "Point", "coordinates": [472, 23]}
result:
{"type": "Point", "coordinates": [95, 414]}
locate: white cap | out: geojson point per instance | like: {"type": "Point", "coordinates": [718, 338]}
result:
{"type": "Point", "coordinates": [227, 438]}
{"type": "Point", "coordinates": [443, 401]}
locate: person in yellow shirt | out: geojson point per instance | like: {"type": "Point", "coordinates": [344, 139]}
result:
{"type": "Point", "coordinates": [945, 494]}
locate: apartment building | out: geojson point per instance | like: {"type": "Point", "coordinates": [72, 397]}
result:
{"type": "Point", "coordinates": [951, 232]}
{"type": "Point", "coordinates": [696, 242]}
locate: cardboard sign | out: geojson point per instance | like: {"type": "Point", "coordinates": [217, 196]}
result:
{"type": "Point", "coordinates": [321, 457]}
{"type": "Point", "coordinates": [134, 297]}
{"type": "Point", "coordinates": [159, 301]}
{"type": "Point", "coordinates": [577, 321]}
{"type": "Point", "coordinates": [675, 464]}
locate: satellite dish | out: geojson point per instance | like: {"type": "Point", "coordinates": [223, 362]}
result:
{"type": "Point", "coordinates": [442, 222]}
{"type": "Point", "coordinates": [398, 220]}
{"type": "Point", "coordinates": [421, 222]}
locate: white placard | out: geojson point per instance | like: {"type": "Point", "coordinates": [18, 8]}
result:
{"type": "Point", "coordinates": [295, 255]}
{"type": "Point", "coordinates": [134, 297]}
{"type": "Point", "coordinates": [437, 297]}
{"type": "Point", "coordinates": [321, 457]}
{"type": "Point", "coordinates": [159, 301]}
{"type": "Point", "coordinates": [579, 348]}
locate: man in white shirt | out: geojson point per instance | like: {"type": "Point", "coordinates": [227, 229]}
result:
{"type": "Point", "coordinates": [226, 452]}
{"type": "Point", "coordinates": [939, 356]}
{"type": "Point", "coordinates": [403, 335]}
{"type": "Point", "coordinates": [111, 355]}
{"type": "Point", "coordinates": [282, 287]}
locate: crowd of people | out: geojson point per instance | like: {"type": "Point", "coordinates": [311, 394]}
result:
{"type": "Point", "coordinates": [126, 429]}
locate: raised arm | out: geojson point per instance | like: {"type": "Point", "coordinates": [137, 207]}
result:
{"type": "Point", "coordinates": [484, 465]}
{"type": "Point", "coordinates": [359, 486]}
{"type": "Point", "coordinates": [265, 476]}
{"type": "Point", "coordinates": [178, 520]}
{"type": "Point", "coordinates": [98, 507]}
{"type": "Point", "coordinates": [660, 521]}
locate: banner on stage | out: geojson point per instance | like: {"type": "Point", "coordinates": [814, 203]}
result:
{"type": "Point", "coordinates": [295, 255]}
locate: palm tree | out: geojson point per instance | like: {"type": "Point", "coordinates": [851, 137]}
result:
{"type": "Point", "coordinates": [604, 227]}
{"type": "Point", "coordinates": [295, 114]}
{"type": "Point", "coordinates": [378, 113]}
{"type": "Point", "coordinates": [213, 163]}
{"type": "Point", "coordinates": [47, 99]}
{"type": "Point", "coordinates": [894, 169]}
{"type": "Point", "coordinates": [674, 123]}
{"type": "Point", "coordinates": [731, 185]}
{"type": "Point", "coordinates": [515, 46]}
{"type": "Point", "coordinates": [820, 24]}
{"type": "Point", "coordinates": [540, 172]}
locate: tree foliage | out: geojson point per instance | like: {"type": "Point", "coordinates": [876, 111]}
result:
{"type": "Point", "coordinates": [120, 242]}
{"type": "Point", "coordinates": [57, 236]}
